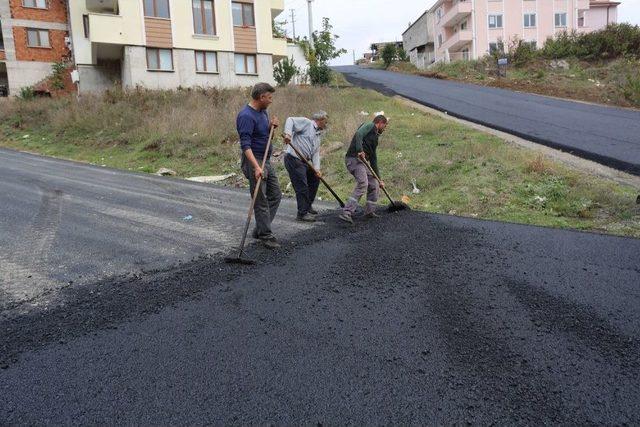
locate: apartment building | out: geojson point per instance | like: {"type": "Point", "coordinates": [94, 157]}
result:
{"type": "Point", "coordinates": [469, 29]}
{"type": "Point", "coordinates": [166, 44]}
{"type": "Point", "coordinates": [33, 36]}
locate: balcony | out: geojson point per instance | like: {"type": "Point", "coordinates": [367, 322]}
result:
{"type": "Point", "coordinates": [102, 6]}
{"type": "Point", "coordinates": [457, 13]}
{"type": "Point", "coordinates": [278, 49]}
{"type": "Point", "coordinates": [277, 7]}
{"type": "Point", "coordinates": [457, 41]}
{"type": "Point", "coordinates": [110, 29]}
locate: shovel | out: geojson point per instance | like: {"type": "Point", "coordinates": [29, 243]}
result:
{"type": "Point", "coordinates": [395, 206]}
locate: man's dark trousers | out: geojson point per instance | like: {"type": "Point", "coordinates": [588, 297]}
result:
{"type": "Point", "coordinates": [304, 181]}
{"type": "Point", "coordinates": [268, 198]}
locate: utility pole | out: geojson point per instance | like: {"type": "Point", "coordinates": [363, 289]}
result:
{"type": "Point", "coordinates": [293, 22]}
{"type": "Point", "coordinates": [309, 2]}
{"type": "Point", "coordinates": [354, 57]}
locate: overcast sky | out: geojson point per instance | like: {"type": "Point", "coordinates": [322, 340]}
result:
{"type": "Point", "coordinates": [362, 22]}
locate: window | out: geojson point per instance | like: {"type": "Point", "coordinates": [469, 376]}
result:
{"type": "Point", "coordinates": [493, 47]}
{"type": "Point", "coordinates": [581, 18]}
{"type": "Point", "coordinates": [85, 24]}
{"type": "Point", "coordinates": [159, 59]}
{"type": "Point", "coordinates": [465, 54]}
{"type": "Point", "coordinates": [463, 26]}
{"type": "Point", "coordinates": [529, 20]}
{"type": "Point", "coordinates": [38, 38]}
{"type": "Point", "coordinates": [38, 4]}
{"type": "Point", "coordinates": [495, 21]}
{"type": "Point", "coordinates": [243, 14]}
{"type": "Point", "coordinates": [204, 18]}
{"type": "Point", "coordinates": [156, 8]}
{"type": "Point", "coordinates": [206, 62]}
{"type": "Point", "coordinates": [1, 39]}
{"type": "Point", "coordinates": [439, 14]}
{"type": "Point", "coordinates": [245, 64]}
{"type": "Point", "coordinates": [439, 40]}
{"type": "Point", "coordinates": [533, 44]}
{"type": "Point", "coordinates": [561, 19]}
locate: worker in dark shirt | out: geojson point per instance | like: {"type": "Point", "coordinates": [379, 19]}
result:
{"type": "Point", "coordinates": [254, 126]}
{"type": "Point", "coordinates": [363, 148]}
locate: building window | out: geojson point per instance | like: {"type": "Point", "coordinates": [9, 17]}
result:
{"type": "Point", "coordinates": [463, 26]}
{"type": "Point", "coordinates": [156, 8]}
{"type": "Point", "coordinates": [495, 21]}
{"type": "Point", "coordinates": [465, 54]}
{"type": "Point", "coordinates": [493, 48]}
{"type": "Point", "coordinates": [246, 64]}
{"type": "Point", "coordinates": [38, 38]}
{"type": "Point", "coordinates": [38, 4]}
{"type": "Point", "coordinates": [533, 44]}
{"type": "Point", "coordinates": [85, 24]}
{"type": "Point", "coordinates": [529, 20]}
{"type": "Point", "coordinates": [206, 62]}
{"type": "Point", "coordinates": [204, 18]}
{"type": "Point", "coordinates": [243, 14]}
{"type": "Point", "coordinates": [439, 14]}
{"type": "Point", "coordinates": [159, 59]}
{"type": "Point", "coordinates": [561, 20]}
{"type": "Point", "coordinates": [581, 18]}
{"type": "Point", "coordinates": [439, 40]}
{"type": "Point", "coordinates": [1, 38]}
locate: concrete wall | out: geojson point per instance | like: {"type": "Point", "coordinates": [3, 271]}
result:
{"type": "Point", "coordinates": [297, 53]}
{"type": "Point", "coordinates": [134, 71]}
{"type": "Point", "coordinates": [95, 79]}
{"type": "Point", "coordinates": [26, 73]}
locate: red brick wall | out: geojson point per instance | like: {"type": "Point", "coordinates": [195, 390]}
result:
{"type": "Point", "coordinates": [56, 12]}
{"type": "Point", "coordinates": [2, 55]}
{"type": "Point", "coordinates": [56, 53]}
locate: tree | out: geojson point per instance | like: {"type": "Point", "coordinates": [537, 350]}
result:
{"type": "Point", "coordinates": [389, 54]}
{"type": "Point", "coordinates": [278, 29]}
{"type": "Point", "coordinates": [284, 71]}
{"type": "Point", "coordinates": [402, 55]}
{"type": "Point", "coordinates": [324, 49]}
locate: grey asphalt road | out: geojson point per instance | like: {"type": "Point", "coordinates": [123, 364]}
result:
{"type": "Point", "coordinates": [607, 135]}
{"type": "Point", "coordinates": [63, 222]}
{"type": "Point", "coordinates": [411, 318]}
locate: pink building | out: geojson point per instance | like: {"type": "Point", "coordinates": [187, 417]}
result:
{"type": "Point", "coordinates": [470, 29]}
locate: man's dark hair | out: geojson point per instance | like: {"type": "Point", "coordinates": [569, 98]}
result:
{"type": "Point", "coordinates": [380, 119]}
{"type": "Point", "coordinates": [260, 89]}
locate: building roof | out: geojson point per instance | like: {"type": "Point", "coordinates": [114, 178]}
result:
{"type": "Point", "coordinates": [415, 22]}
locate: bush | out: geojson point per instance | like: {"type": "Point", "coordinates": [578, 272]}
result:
{"type": "Point", "coordinates": [389, 54]}
{"type": "Point", "coordinates": [57, 78]}
{"type": "Point", "coordinates": [27, 93]}
{"type": "Point", "coordinates": [521, 53]}
{"type": "Point", "coordinates": [319, 74]}
{"type": "Point", "coordinates": [631, 89]}
{"type": "Point", "coordinates": [614, 41]}
{"type": "Point", "coordinates": [284, 71]}
{"type": "Point", "coordinates": [402, 55]}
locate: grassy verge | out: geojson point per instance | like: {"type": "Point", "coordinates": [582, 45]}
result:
{"type": "Point", "coordinates": [614, 82]}
{"type": "Point", "coordinates": [458, 170]}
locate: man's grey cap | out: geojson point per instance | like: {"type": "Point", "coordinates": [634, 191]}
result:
{"type": "Point", "coordinates": [320, 115]}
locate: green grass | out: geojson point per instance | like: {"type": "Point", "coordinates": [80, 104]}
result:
{"type": "Point", "coordinates": [458, 170]}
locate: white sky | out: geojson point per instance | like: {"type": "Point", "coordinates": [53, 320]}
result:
{"type": "Point", "coordinates": [362, 22]}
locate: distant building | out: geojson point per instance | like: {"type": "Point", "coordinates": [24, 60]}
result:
{"type": "Point", "coordinates": [470, 29]}
{"type": "Point", "coordinates": [377, 48]}
{"type": "Point", "coordinates": [418, 41]}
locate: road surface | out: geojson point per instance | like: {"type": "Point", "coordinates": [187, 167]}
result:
{"type": "Point", "coordinates": [607, 135]}
{"type": "Point", "coordinates": [411, 318]}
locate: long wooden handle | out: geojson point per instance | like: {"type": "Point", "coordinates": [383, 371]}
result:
{"type": "Point", "coordinates": [255, 193]}
{"type": "Point", "coordinates": [375, 175]}
{"type": "Point", "coordinates": [309, 164]}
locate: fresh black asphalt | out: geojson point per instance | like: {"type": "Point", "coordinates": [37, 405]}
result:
{"type": "Point", "coordinates": [408, 319]}
{"type": "Point", "coordinates": [608, 135]}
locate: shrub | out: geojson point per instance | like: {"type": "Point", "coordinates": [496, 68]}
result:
{"type": "Point", "coordinates": [614, 41]}
{"type": "Point", "coordinates": [631, 89]}
{"type": "Point", "coordinates": [57, 78]}
{"type": "Point", "coordinates": [521, 52]}
{"type": "Point", "coordinates": [402, 55]}
{"type": "Point", "coordinates": [27, 93]}
{"type": "Point", "coordinates": [319, 74]}
{"type": "Point", "coordinates": [284, 71]}
{"type": "Point", "coordinates": [389, 54]}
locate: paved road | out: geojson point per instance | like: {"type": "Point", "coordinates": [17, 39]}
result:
{"type": "Point", "coordinates": [63, 222]}
{"type": "Point", "coordinates": [408, 319]}
{"type": "Point", "coordinates": [610, 136]}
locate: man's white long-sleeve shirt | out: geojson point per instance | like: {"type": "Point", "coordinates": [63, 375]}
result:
{"type": "Point", "coordinates": [306, 137]}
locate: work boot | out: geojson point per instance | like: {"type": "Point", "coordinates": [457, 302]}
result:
{"type": "Point", "coordinates": [315, 212]}
{"type": "Point", "coordinates": [308, 217]}
{"type": "Point", "coordinates": [254, 234]}
{"type": "Point", "coordinates": [371, 215]}
{"type": "Point", "coordinates": [346, 217]}
{"type": "Point", "coordinates": [270, 243]}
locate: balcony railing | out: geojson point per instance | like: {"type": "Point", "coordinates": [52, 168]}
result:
{"type": "Point", "coordinates": [102, 6]}
{"type": "Point", "coordinates": [456, 14]}
{"type": "Point", "coordinates": [456, 41]}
